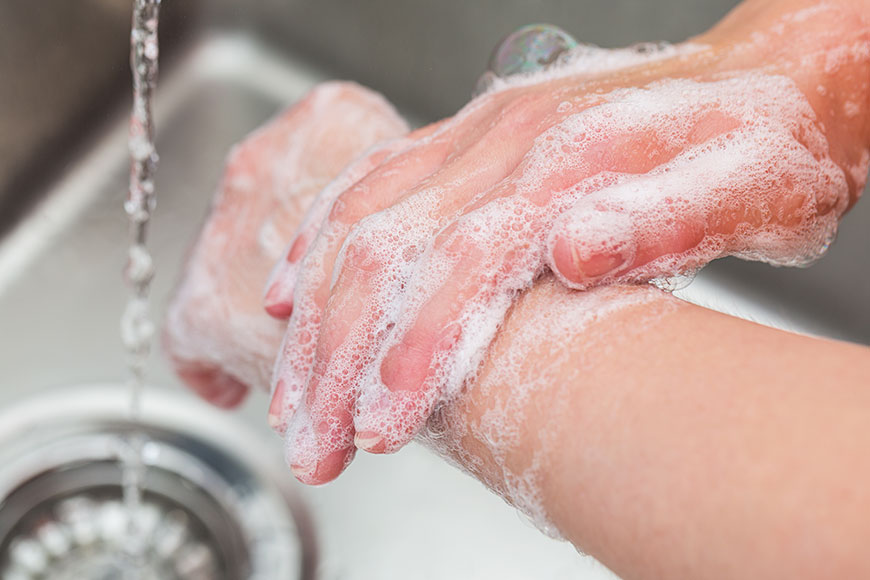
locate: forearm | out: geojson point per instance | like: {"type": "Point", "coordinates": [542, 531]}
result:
{"type": "Point", "coordinates": [824, 46]}
{"type": "Point", "coordinates": [671, 441]}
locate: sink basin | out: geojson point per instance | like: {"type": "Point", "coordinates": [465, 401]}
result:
{"type": "Point", "coordinates": [228, 67]}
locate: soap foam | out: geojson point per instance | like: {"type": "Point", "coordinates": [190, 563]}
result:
{"type": "Point", "coordinates": [490, 429]}
{"type": "Point", "coordinates": [771, 144]}
{"type": "Point", "coordinates": [739, 157]}
{"type": "Point", "coordinates": [587, 60]}
{"type": "Point", "coordinates": [270, 179]}
{"type": "Point", "coordinates": [765, 190]}
{"type": "Point", "coordinates": [282, 281]}
{"type": "Point", "coordinates": [774, 147]}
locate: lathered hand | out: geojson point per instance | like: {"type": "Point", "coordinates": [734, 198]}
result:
{"type": "Point", "coordinates": [218, 336]}
{"type": "Point", "coordinates": [616, 167]}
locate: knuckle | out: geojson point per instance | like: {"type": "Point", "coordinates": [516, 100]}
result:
{"type": "Point", "coordinates": [360, 251]}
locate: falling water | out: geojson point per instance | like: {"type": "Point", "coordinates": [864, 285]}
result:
{"type": "Point", "coordinates": [137, 329]}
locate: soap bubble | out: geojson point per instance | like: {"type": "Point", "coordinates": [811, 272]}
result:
{"type": "Point", "coordinates": [529, 49]}
{"type": "Point", "coordinates": [526, 50]}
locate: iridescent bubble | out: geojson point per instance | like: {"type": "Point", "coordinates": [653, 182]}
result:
{"type": "Point", "coordinates": [529, 49]}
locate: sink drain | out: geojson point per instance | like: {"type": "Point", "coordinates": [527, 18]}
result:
{"type": "Point", "coordinates": [212, 508]}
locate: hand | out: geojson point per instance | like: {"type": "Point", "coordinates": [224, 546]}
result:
{"type": "Point", "coordinates": [216, 331]}
{"type": "Point", "coordinates": [568, 369]}
{"type": "Point", "coordinates": [619, 168]}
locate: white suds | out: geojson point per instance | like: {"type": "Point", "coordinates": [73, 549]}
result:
{"type": "Point", "coordinates": [736, 166]}
{"type": "Point", "coordinates": [503, 444]}
{"type": "Point", "coordinates": [269, 180]}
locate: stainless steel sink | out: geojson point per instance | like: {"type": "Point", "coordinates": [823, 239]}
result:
{"type": "Point", "coordinates": [228, 67]}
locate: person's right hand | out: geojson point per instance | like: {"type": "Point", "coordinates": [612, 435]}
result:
{"type": "Point", "coordinates": [220, 341]}
{"type": "Point", "coordinates": [604, 173]}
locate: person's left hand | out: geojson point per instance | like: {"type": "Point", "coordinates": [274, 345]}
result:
{"type": "Point", "coordinates": [624, 175]}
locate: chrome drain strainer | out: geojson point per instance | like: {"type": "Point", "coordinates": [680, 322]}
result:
{"type": "Point", "coordinates": [212, 508]}
{"type": "Point", "coordinates": [83, 536]}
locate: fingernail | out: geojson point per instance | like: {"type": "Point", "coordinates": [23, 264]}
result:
{"type": "Point", "coordinates": [324, 470]}
{"type": "Point", "coordinates": [276, 409]}
{"type": "Point", "coordinates": [276, 304]}
{"type": "Point", "coordinates": [274, 421]}
{"type": "Point", "coordinates": [599, 265]}
{"type": "Point", "coordinates": [369, 441]}
{"type": "Point", "coordinates": [588, 269]}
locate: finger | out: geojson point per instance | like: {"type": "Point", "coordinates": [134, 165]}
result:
{"type": "Point", "coordinates": [379, 258]}
{"type": "Point", "coordinates": [452, 309]}
{"type": "Point", "coordinates": [215, 330]}
{"type": "Point", "coordinates": [378, 190]}
{"type": "Point", "coordinates": [495, 251]}
{"type": "Point", "coordinates": [315, 275]}
{"type": "Point", "coordinates": [350, 319]}
{"type": "Point", "coordinates": [294, 370]}
{"type": "Point", "coordinates": [320, 436]}
{"type": "Point", "coordinates": [278, 298]}
{"type": "Point", "coordinates": [399, 391]}
{"type": "Point", "coordinates": [717, 199]}
{"type": "Point", "coordinates": [312, 451]}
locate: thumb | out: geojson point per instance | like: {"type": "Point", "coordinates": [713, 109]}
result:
{"type": "Point", "coordinates": [781, 207]}
{"type": "Point", "coordinates": [593, 244]}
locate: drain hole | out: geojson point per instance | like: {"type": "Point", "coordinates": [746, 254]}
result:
{"type": "Point", "coordinates": [206, 513]}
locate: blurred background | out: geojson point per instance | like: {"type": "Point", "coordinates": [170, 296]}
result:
{"type": "Point", "coordinates": [227, 66]}
{"type": "Point", "coordinates": [60, 61]}
{"type": "Point", "coordinates": [63, 71]}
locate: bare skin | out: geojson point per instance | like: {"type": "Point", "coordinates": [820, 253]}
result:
{"type": "Point", "coordinates": [269, 182]}
{"type": "Point", "coordinates": [707, 447]}
{"type": "Point", "coordinates": [401, 268]}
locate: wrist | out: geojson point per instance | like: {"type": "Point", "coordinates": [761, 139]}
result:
{"type": "Point", "coordinates": [550, 360]}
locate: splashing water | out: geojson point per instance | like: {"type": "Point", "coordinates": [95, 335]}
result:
{"type": "Point", "coordinates": [137, 329]}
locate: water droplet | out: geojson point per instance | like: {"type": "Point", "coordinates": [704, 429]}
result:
{"type": "Point", "coordinates": [675, 282]}
{"type": "Point", "coordinates": [140, 265]}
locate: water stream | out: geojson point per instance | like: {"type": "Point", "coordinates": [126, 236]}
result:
{"type": "Point", "coordinates": [137, 328]}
